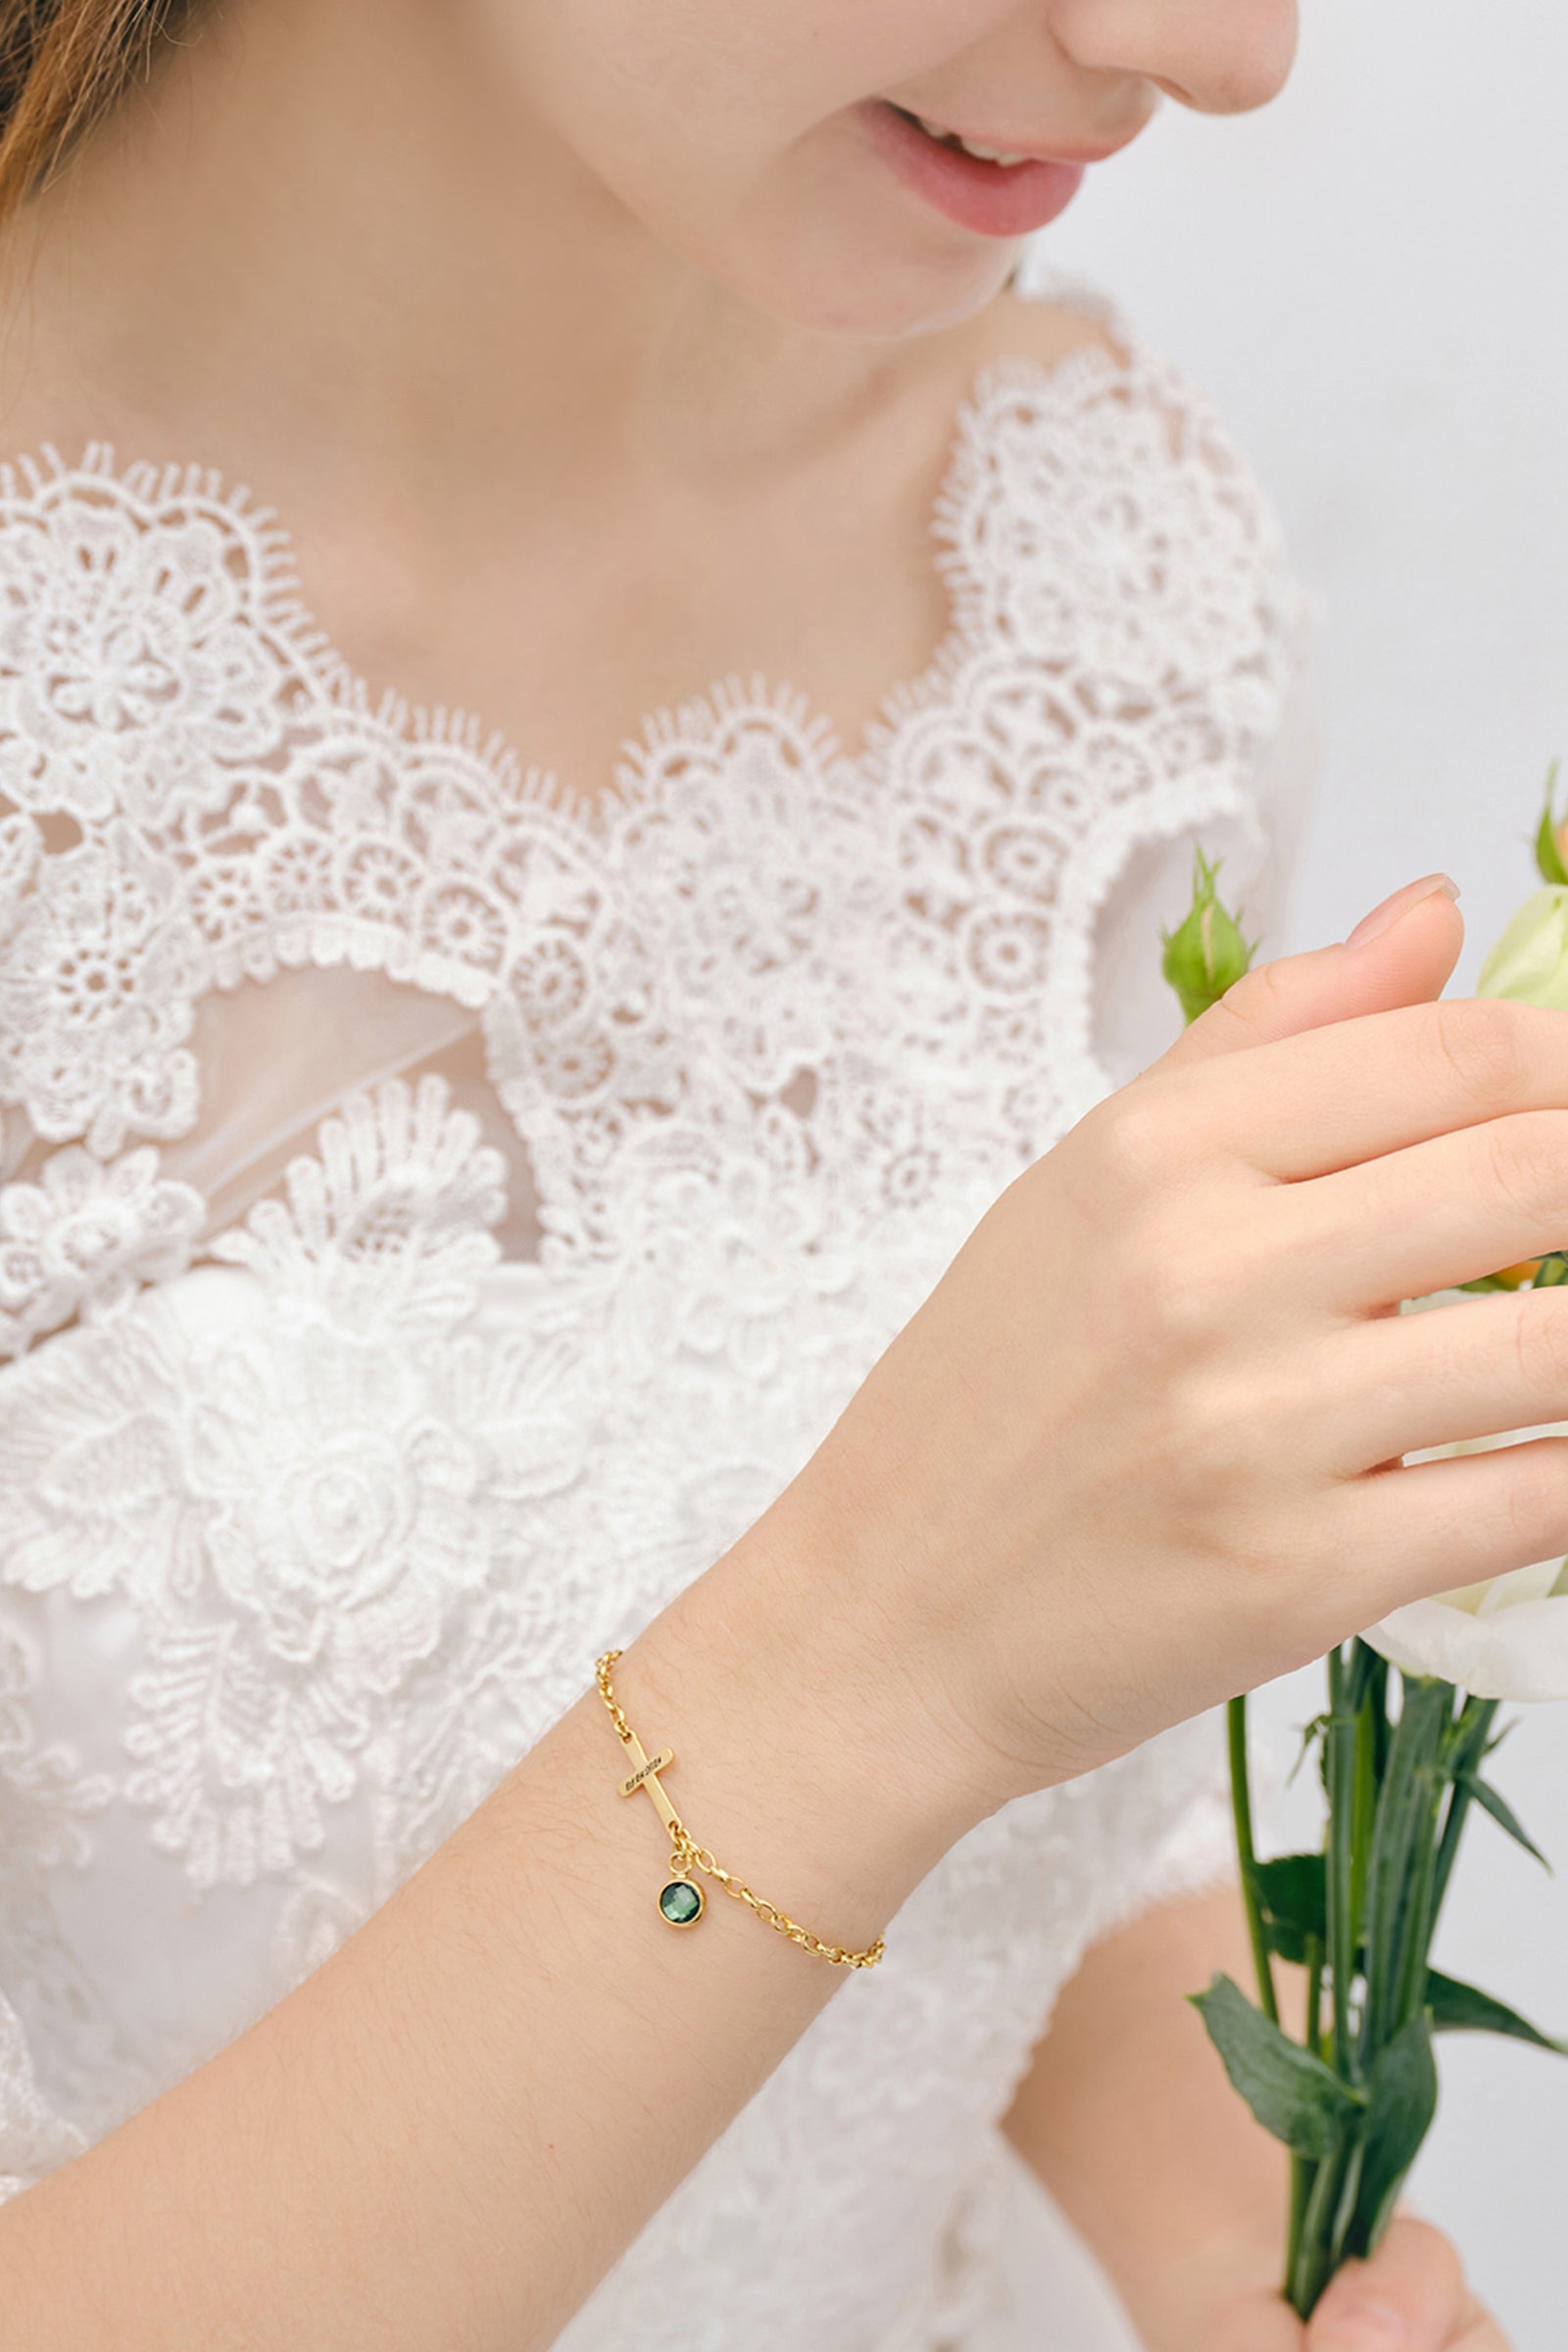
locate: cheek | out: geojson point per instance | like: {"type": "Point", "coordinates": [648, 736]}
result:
{"type": "Point", "coordinates": [727, 131]}
{"type": "Point", "coordinates": [843, 50]}
{"type": "Point", "coordinates": [722, 86]}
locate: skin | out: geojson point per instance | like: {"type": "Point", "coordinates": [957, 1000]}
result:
{"type": "Point", "coordinates": [1180, 2197]}
{"type": "Point", "coordinates": [689, 315]}
{"type": "Point", "coordinates": [591, 301]}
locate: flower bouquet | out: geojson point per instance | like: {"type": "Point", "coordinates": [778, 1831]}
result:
{"type": "Point", "coordinates": [1402, 1745]}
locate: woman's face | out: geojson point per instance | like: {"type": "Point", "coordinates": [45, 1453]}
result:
{"type": "Point", "coordinates": [764, 141]}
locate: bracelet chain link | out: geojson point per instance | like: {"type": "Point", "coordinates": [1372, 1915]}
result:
{"type": "Point", "coordinates": [686, 1855]}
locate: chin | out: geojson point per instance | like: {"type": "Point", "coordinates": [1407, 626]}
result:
{"type": "Point", "coordinates": [863, 292]}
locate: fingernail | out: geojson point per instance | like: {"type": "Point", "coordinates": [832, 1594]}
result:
{"type": "Point", "coordinates": [1382, 919]}
{"type": "Point", "coordinates": [1364, 2327]}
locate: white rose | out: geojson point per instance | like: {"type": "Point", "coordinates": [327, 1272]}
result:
{"type": "Point", "coordinates": [1506, 1638]}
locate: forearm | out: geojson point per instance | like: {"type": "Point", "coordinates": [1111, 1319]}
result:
{"type": "Point", "coordinates": [1128, 2120]}
{"type": "Point", "coordinates": [444, 2136]}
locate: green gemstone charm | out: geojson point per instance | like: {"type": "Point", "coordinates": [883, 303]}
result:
{"type": "Point", "coordinates": [681, 1902]}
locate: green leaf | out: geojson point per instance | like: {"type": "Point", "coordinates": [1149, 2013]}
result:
{"type": "Point", "coordinates": [1463, 2009]}
{"type": "Point", "coordinates": [1406, 1826]}
{"type": "Point", "coordinates": [1471, 1737]}
{"type": "Point", "coordinates": [1311, 1734]}
{"type": "Point", "coordinates": [1293, 1895]}
{"type": "Point", "coordinates": [1502, 1813]}
{"type": "Point", "coordinates": [1293, 2094]}
{"type": "Point", "coordinates": [1464, 1748]}
{"type": "Point", "coordinates": [1548, 858]}
{"type": "Point", "coordinates": [1402, 2098]}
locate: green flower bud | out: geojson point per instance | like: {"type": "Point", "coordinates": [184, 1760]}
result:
{"type": "Point", "coordinates": [1207, 955]}
{"type": "Point", "coordinates": [1552, 840]}
{"type": "Point", "coordinates": [1530, 962]}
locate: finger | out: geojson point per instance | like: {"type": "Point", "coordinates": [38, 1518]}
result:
{"type": "Point", "coordinates": [1410, 2297]}
{"type": "Point", "coordinates": [1480, 1368]}
{"type": "Point", "coordinates": [1410, 1533]}
{"type": "Point", "coordinates": [1334, 1096]}
{"type": "Point", "coordinates": [1478, 2334]}
{"type": "Point", "coordinates": [1406, 961]}
{"type": "Point", "coordinates": [1258, 2322]}
{"type": "Point", "coordinates": [1429, 1218]}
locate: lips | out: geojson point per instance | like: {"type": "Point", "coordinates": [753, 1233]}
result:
{"type": "Point", "coordinates": [986, 154]}
{"type": "Point", "coordinates": [988, 193]}
{"type": "Point", "coordinates": [994, 147]}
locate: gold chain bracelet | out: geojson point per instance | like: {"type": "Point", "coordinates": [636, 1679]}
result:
{"type": "Point", "coordinates": [680, 1902]}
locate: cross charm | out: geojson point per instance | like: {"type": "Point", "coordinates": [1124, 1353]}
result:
{"type": "Point", "coordinates": [645, 1776]}
{"type": "Point", "coordinates": [681, 1902]}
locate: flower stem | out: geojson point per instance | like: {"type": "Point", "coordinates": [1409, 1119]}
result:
{"type": "Point", "coordinates": [1304, 2176]}
{"type": "Point", "coordinates": [1365, 1783]}
{"type": "Point", "coordinates": [1317, 2256]}
{"type": "Point", "coordinates": [1242, 1810]}
{"type": "Point", "coordinates": [1399, 1880]}
{"type": "Point", "coordinates": [1339, 1738]}
{"type": "Point", "coordinates": [1422, 1898]}
{"type": "Point", "coordinates": [1303, 2169]}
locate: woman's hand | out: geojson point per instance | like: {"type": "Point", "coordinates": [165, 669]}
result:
{"type": "Point", "coordinates": [1133, 1453]}
{"type": "Point", "coordinates": [1127, 2120]}
{"type": "Point", "coordinates": [1410, 2297]}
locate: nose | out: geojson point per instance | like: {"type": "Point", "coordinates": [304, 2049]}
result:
{"type": "Point", "coordinates": [1219, 57]}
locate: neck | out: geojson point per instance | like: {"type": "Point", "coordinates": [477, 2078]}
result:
{"type": "Point", "coordinates": [333, 227]}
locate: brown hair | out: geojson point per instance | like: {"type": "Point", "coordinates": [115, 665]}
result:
{"type": "Point", "coordinates": [63, 64]}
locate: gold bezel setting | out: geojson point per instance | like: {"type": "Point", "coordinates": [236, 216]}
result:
{"type": "Point", "coordinates": [681, 1887]}
{"type": "Point", "coordinates": [686, 1855]}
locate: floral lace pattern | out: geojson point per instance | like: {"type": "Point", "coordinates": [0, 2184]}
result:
{"type": "Point", "coordinates": [86, 1236]}
{"type": "Point", "coordinates": [308, 1525]}
{"type": "Point", "coordinates": [300, 1500]}
{"type": "Point", "coordinates": [67, 2075]}
{"type": "Point", "coordinates": [387, 1224]}
{"type": "Point", "coordinates": [128, 664]}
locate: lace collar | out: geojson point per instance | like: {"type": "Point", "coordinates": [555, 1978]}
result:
{"type": "Point", "coordinates": [173, 507]}
{"type": "Point", "coordinates": [202, 792]}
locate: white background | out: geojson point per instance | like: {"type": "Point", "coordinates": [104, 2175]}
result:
{"type": "Point", "coordinates": [1371, 280]}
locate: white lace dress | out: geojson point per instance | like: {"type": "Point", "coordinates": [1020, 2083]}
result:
{"type": "Point", "coordinates": [442, 1210]}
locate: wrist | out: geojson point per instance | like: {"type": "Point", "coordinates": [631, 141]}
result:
{"type": "Point", "coordinates": [803, 1763]}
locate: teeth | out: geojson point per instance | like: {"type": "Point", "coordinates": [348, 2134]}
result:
{"type": "Point", "coordinates": [991, 155]}
{"type": "Point", "coordinates": [950, 138]}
